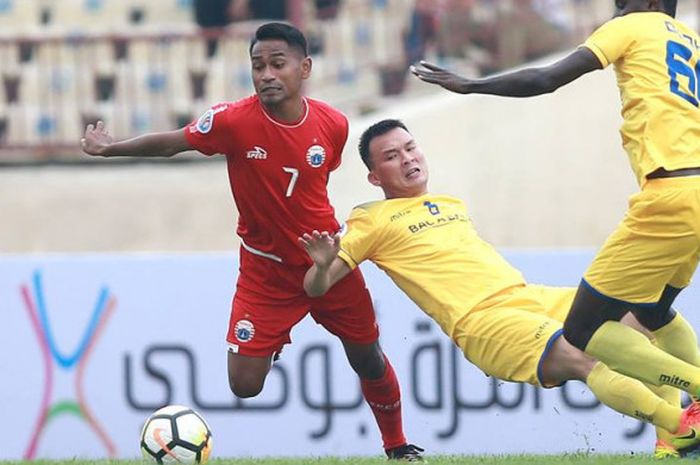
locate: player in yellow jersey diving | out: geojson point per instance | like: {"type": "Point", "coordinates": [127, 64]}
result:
{"type": "Point", "coordinates": [654, 251]}
{"type": "Point", "coordinates": [426, 243]}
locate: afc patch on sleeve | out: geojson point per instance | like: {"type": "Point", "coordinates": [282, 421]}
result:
{"type": "Point", "coordinates": [206, 122]}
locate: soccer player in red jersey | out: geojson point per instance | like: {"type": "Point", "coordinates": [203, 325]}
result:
{"type": "Point", "coordinates": [280, 148]}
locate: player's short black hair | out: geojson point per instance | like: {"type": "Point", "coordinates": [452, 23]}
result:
{"type": "Point", "coordinates": [669, 7]}
{"type": "Point", "coordinates": [376, 130]}
{"type": "Point", "coordinates": [280, 31]}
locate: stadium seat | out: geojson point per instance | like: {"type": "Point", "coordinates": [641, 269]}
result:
{"type": "Point", "coordinates": [31, 91]}
{"type": "Point", "coordinates": [9, 57]}
{"type": "Point", "coordinates": [168, 14]}
{"type": "Point", "coordinates": [4, 123]}
{"type": "Point", "coordinates": [215, 86]}
{"type": "Point", "coordinates": [70, 127]}
{"type": "Point", "coordinates": [19, 17]}
{"type": "Point", "coordinates": [178, 84]}
{"type": "Point", "coordinates": [90, 15]}
{"type": "Point", "coordinates": [21, 124]}
{"type": "Point", "coordinates": [196, 50]}
{"type": "Point", "coordinates": [123, 99]}
{"type": "Point", "coordinates": [144, 92]}
{"type": "Point", "coordinates": [69, 68]}
{"type": "Point", "coordinates": [388, 25]}
{"type": "Point", "coordinates": [234, 53]}
{"type": "Point", "coordinates": [140, 120]}
{"type": "Point", "coordinates": [115, 61]}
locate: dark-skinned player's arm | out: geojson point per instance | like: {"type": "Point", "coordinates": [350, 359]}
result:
{"type": "Point", "coordinates": [98, 142]}
{"type": "Point", "coordinates": [328, 268]}
{"type": "Point", "coordinates": [522, 83]}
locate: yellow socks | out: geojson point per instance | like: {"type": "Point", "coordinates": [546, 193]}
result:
{"type": "Point", "coordinates": [672, 396]}
{"type": "Point", "coordinates": [679, 339]}
{"type": "Point", "coordinates": [631, 397]}
{"type": "Point", "coordinates": [629, 352]}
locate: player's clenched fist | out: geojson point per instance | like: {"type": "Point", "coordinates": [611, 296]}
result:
{"type": "Point", "coordinates": [96, 139]}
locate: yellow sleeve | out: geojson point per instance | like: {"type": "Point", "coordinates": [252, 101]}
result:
{"type": "Point", "coordinates": [611, 40]}
{"type": "Point", "coordinates": [359, 240]}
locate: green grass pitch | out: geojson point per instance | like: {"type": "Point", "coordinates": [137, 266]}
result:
{"type": "Point", "coordinates": [567, 459]}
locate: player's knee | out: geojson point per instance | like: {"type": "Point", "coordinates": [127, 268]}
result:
{"type": "Point", "coordinates": [245, 386]}
{"type": "Point", "coordinates": [373, 367]}
{"type": "Point", "coordinates": [565, 362]}
{"type": "Point", "coordinates": [576, 336]}
{"type": "Point", "coordinates": [580, 364]}
{"type": "Point", "coordinates": [366, 360]}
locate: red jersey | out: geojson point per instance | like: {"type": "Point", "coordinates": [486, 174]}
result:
{"type": "Point", "coordinates": [278, 171]}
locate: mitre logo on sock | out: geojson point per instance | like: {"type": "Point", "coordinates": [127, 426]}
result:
{"type": "Point", "coordinates": [674, 381]}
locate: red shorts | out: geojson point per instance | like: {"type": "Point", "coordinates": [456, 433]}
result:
{"type": "Point", "coordinates": [270, 300]}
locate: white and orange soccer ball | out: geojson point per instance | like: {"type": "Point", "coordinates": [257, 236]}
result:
{"type": "Point", "coordinates": [176, 434]}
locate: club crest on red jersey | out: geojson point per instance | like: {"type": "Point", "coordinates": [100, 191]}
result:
{"type": "Point", "coordinates": [316, 156]}
{"type": "Point", "coordinates": [244, 330]}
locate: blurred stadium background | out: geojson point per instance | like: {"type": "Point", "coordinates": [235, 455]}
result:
{"type": "Point", "coordinates": [148, 65]}
{"type": "Point", "coordinates": [545, 174]}
{"type": "Point", "coordinates": [144, 65]}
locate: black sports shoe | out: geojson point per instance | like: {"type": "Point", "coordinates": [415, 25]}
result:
{"type": "Point", "coordinates": [407, 452]}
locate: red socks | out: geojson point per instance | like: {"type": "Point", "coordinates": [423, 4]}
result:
{"type": "Point", "coordinates": [384, 398]}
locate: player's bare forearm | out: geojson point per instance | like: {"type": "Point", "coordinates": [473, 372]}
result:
{"type": "Point", "coordinates": [317, 281]}
{"type": "Point", "coordinates": [522, 83]}
{"type": "Point", "coordinates": [98, 142]}
{"type": "Point", "coordinates": [147, 145]}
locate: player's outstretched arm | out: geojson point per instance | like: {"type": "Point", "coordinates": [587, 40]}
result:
{"type": "Point", "coordinates": [98, 142]}
{"type": "Point", "coordinates": [328, 268]}
{"type": "Point", "coordinates": [522, 83]}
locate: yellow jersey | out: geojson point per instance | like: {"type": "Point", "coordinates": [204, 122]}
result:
{"type": "Point", "coordinates": [430, 249]}
{"type": "Point", "coordinates": [657, 68]}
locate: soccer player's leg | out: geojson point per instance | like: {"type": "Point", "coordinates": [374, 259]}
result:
{"type": "Point", "coordinates": [631, 397]}
{"type": "Point", "coordinates": [516, 338]}
{"type": "Point", "coordinates": [624, 394]}
{"type": "Point", "coordinates": [647, 250]}
{"type": "Point", "coordinates": [268, 302]}
{"type": "Point", "coordinates": [347, 312]}
{"type": "Point", "coordinates": [562, 361]}
{"type": "Point", "coordinates": [256, 334]}
{"type": "Point", "coordinates": [592, 325]}
{"type": "Point", "coordinates": [557, 302]}
{"type": "Point", "coordinates": [246, 373]}
{"type": "Point", "coordinates": [663, 448]}
{"type": "Point", "coordinates": [677, 429]}
{"type": "Point", "coordinates": [676, 336]}
{"type": "Point", "coordinates": [506, 335]}
{"type": "Point", "coordinates": [673, 334]}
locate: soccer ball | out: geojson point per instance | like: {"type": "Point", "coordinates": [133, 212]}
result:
{"type": "Point", "coordinates": [176, 434]}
